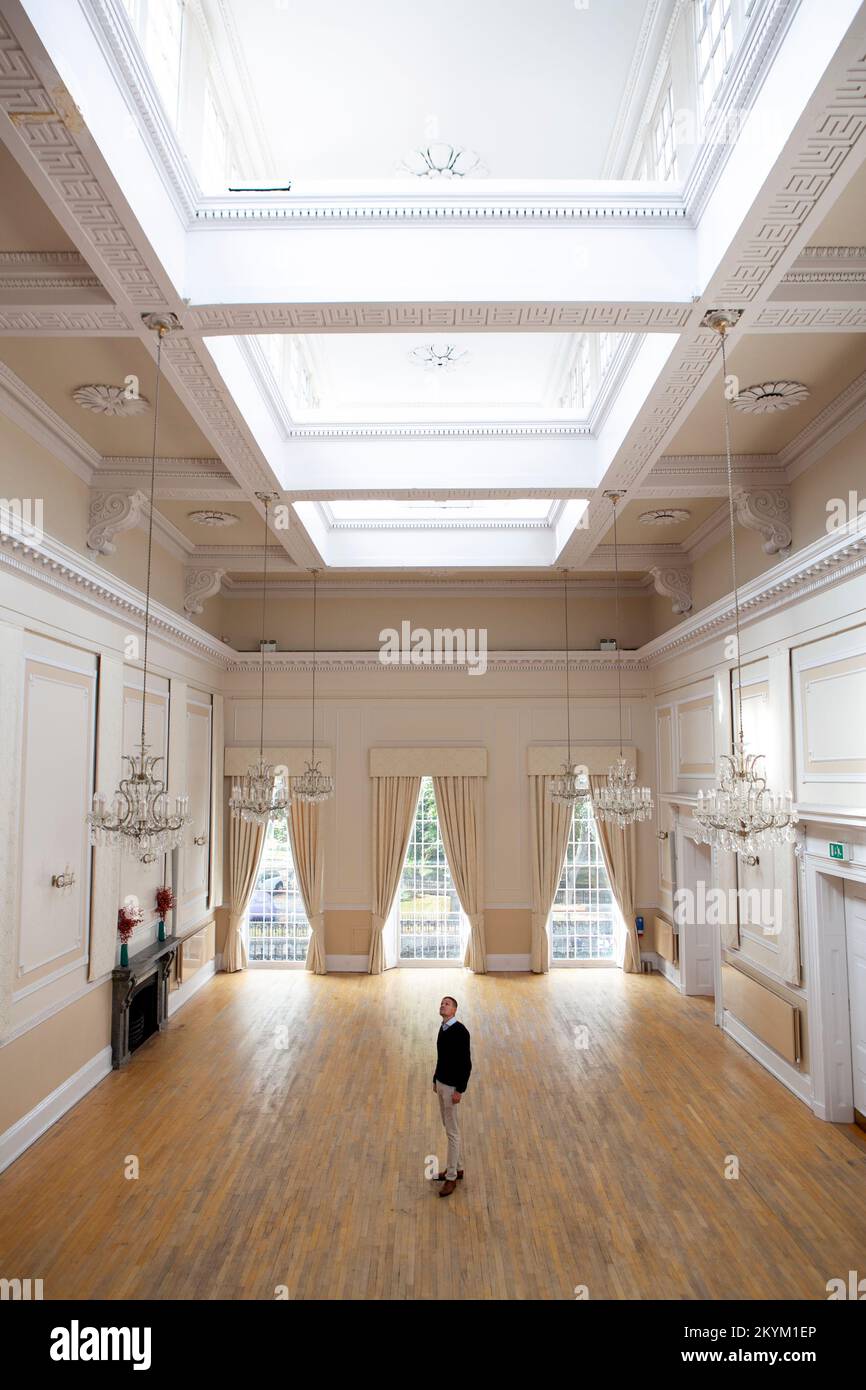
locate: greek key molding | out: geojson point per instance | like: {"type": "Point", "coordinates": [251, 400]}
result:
{"type": "Point", "coordinates": [409, 317]}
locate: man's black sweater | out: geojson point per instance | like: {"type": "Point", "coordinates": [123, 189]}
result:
{"type": "Point", "coordinates": [453, 1059]}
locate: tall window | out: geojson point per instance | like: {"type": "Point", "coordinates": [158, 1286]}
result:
{"type": "Point", "coordinates": [431, 919]}
{"type": "Point", "coordinates": [715, 44]}
{"type": "Point", "coordinates": [278, 926]}
{"type": "Point", "coordinates": [583, 913]}
{"type": "Point", "coordinates": [159, 25]}
{"type": "Point", "coordinates": [664, 154]}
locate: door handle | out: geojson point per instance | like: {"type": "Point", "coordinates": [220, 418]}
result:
{"type": "Point", "coordinates": [64, 880]}
{"type": "Point", "coordinates": [200, 840]}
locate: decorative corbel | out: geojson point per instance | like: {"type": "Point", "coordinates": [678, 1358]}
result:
{"type": "Point", "coordinates": [200, 584]}
{"type": "Point", "coordinates": [111, 513]}
{"type": "Point", "coordinates": [768, 511]}
{"type": "Point", "coordinates": [675, 584]}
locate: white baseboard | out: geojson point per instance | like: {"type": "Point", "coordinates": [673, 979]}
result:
{"type": "Point", "coordinates": [354, 964]}
{"type": "Point", "coordinates": [179, 996]}
{"type": "Point", "coordinates": [28, 1129]}
{"type": "Point", "coordinates": [796, 1081]}
{"type": "Point", "coordinates": [506, 962]}
{"type": "Point", "coordinates": [666, 968]}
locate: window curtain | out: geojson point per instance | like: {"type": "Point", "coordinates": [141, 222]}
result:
{"type": "Point", "coordinates": [460, 807]}
{"type": "Point", "coordinates": [551, 824]}
{"type": "Point", "coordinates": [308, 856]}
{"type": "Point", "coordinates": [617, 847]}
{"type": "Point", "coordinates": [246, 843]}
{"type": "Point", "coordinates": [394, 803]}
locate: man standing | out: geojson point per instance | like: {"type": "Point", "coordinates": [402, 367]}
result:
{"type": "Point", "coordinates": [450, 1079]}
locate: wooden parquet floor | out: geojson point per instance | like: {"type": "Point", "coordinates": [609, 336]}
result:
{"type": "Point", "coordinates": [283, 1121]}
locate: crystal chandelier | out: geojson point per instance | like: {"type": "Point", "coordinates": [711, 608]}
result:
{"type": "Point", "coordinates": [572, 784]}
{"type": "Point", "coordinates": [260, 795]}
{"type": "Point", "coordinates": [741, 814]}
{"type": "Point", "coordinates": [314, 784]}
{"type": "Point", "coordinates": [620, 800]}
{"type": "Point", "coordinates": [139, 817]}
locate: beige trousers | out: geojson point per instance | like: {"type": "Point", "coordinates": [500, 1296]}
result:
{"type": "Point", "coordinates": [451, 1120]}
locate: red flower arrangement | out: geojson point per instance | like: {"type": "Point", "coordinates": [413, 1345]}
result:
{"type": "Point", "coordinates": [165, 901]}
{"type": "Point", "coordinates": [128, 918]}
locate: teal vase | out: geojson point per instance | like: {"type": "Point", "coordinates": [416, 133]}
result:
{"type": "Point", "coordinates": [161, 932]}
{"type": "Point", "coordinates": [124, 953]}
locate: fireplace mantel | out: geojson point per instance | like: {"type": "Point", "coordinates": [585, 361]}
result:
{"type": "Point", "coordinates": [126, 980]}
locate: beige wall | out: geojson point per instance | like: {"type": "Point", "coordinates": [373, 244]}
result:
{"type": "Point", "coordinates": [350, 621]}
{"type": "Point", "coordinates": [36, 1062]}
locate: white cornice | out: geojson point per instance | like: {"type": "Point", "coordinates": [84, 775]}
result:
{"type": "Point", "coordinates": [49, 561]}
{"type": "Point", "coordinates": [35, 416]}
{"type": "Point", "coordinates": [300, 663]}
{"type": "Point", "coordinates": [831, 559]}
{"type": "Point", "coordinates": [654, 203]}
{"type": "Point", "coordinates": [831, 425]}
{"type": "Point", "coordinates": [45, 270]}
{"type": "Point", "coordinates": [839, 555]}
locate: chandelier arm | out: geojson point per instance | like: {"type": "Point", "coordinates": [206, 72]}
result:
{"type": "Point", "coordinates": [150, 531]}
{"type": "Point", "coordinates": [730, 473]}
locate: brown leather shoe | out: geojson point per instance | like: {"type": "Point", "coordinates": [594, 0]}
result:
{"type": "Point", "coordinates": [441, 1177]}
{"type": "Point", "coordinates": [447, 1188]}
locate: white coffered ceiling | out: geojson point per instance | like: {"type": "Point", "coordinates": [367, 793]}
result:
{"type": "Point", "coordinates": [346, 90]}
{"type": "Point", "coordinates": [381, 465]}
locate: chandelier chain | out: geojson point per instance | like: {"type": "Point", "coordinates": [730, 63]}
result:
{"type": "Point", "coordinates": [262, 643]}
{"type": "Point", "coordinates": [730, 473]}
{"type": "Point", "coordinates": [160, 334]}
{"type": "Point", "coordinates": [567, 664]}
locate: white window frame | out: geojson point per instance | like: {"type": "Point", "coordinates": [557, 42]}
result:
{"type": "Point", "coordinates": [395, 920]}
{"type": "Point", "coordinates": [599, 882]}
{"type": "Point", "coordinates": [295, 916]}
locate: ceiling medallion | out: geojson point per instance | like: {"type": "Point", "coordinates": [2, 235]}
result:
{"type": "Point", "coordinates": [770, 396]}
{"type": "Point", "coordinates": [439, 160]}
{"type": "Point", "coordinates": [214, 518]}
{"type": "Point", "coordinates": [109, 400]}
{"type": "Point", "coordinates": [664, 516]}
{"type": "Point", "coordinates": [441, 357]}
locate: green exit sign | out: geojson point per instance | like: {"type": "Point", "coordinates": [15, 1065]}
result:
{"type": "Point", "coordinates": [838, 850]}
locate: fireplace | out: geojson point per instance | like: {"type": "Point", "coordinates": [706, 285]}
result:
{"type": "Point", "coordinates": [143, 1012]}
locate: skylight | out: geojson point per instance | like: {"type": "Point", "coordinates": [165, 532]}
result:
{"type": "Point", "coordinates": [526, 511]}
{"type": "Point", "coordinates": [412, 378]}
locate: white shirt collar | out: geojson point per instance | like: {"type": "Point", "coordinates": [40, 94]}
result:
{"type": "Point", "coordinates": [448, 1021]}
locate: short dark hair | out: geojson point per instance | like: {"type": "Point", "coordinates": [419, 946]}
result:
{"type": "Point", "coordinates": [451, 997]}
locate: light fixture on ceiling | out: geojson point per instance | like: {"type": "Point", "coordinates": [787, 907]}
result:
{"type": "Point", "coordinates": [770, 396]}
{"type": "Point", "coordinates": [314, 784]}
{"type": "Point", "coordinates": [210, 517]}
{"type": "Point", "coordinates": [139, 817]}
{"type": "Point", "coordinates": [440, 160]}
{"type": "Point", "coordinates": [664, 516]}
{"type": "Point", "coordinates": [572, 784]}
{"type": "Point", "coordinates": [741, 815]}
{"type": "Point", "coordinates": [438, 357]}
{"type": "Point", "coordinates": [619, 799]}
{"type": "Point", "coordinates": [110, 400]}
{"type": "Point", "coordinates": [260, 796]}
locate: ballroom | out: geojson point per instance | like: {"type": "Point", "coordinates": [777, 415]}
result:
{"type": "Point", "coordinates": [432, 638]}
